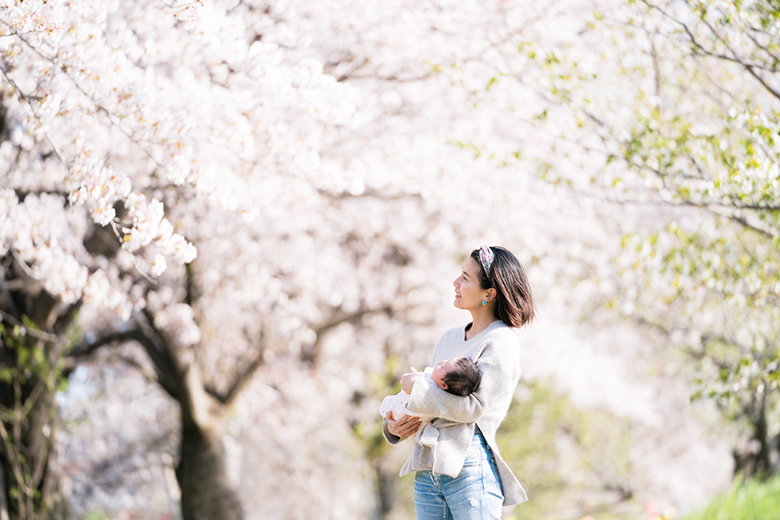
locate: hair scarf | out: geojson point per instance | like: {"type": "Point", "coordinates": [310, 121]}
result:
{"type": "Point", "coordinates": [486, 259]}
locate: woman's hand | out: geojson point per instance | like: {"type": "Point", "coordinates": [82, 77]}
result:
{"type": "Point", "coordinates": [404, 427]}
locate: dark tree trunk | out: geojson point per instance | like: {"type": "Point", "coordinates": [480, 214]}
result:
{"type": "Point", "coordinates": [206, 493]}
{"type": "Point", "coordinates": [39, 440]}
{"type": "Point", "coordinates": [761, 434]}
{"type": "Point", "coordinates": [206, 490]}
{"type": "Point", "coordinates": [756, 460]}
{"type": "Point", "coordinates": [29, 353]}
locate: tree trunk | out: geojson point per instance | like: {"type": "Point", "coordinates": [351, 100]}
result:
{"type": "Point", "coordinates": [386, 481]}
{"type": "Point", "coordinates": [29, 352]}
{"type": "Point", "coordinates": [28, 458]}
{"type": "Point", "coordinates": [756, 460]}
{"type": "Point", "coordinates": [206, 490]}
{"type": "Point", "coordinates": [54, 505]}
{"type": "Point", "coordinates": [761, 434]}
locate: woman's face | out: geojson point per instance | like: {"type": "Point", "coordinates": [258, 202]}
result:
{"type": "Point", "coordinates": [468, 293]}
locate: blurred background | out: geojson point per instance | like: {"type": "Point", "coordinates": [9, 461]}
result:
{"type": "Point", "coordinates": [227, 228]}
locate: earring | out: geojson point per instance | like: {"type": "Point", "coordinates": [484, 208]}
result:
{"type": "Point", "coordinates": [484, 302]}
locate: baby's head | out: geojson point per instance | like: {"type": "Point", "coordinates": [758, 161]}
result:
{"type": "Point", "coordinates": [459, 375]}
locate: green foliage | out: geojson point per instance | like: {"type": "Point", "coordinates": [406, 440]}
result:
{"type": "Point", "coordinates": [30, 357]}
{"type": "Point", "coordinates": [97, 515]}
{"type": "Point", "coordinates": [28, 375]}
{"type": "Point", "coordinates": [702, 134]}
{"type": "Point", "coordinates": [727, 279]}
{"type": "Point", "coordinates": [369, 433]}
{"type": "Point", "coordinates": [527, 443]}
{"type": "Point", "coordinates": [470, 147]}
{"type": "Point", "coordinates": [538, 425]}
{"type": "Point", "coordinates": [753, 500]}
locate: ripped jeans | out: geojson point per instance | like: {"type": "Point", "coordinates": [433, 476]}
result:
{"type": "Point", "coordinates": [475, 494]}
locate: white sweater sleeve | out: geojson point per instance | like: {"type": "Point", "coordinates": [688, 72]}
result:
{"type": "Point", "coordinates": [497, 381]}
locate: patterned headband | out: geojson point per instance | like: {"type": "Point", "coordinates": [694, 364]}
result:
{"type": "Point", "coordinates": [486, 259]}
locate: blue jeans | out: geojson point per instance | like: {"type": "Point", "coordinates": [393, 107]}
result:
{"type": "Point", "coordinates": [475, 494]}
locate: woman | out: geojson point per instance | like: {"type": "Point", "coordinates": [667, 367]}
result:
{"type": "Point", "coordinates": [459, 472]}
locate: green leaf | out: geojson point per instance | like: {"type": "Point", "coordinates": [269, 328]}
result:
{"type": "Point", "coordinates": [6, 374]}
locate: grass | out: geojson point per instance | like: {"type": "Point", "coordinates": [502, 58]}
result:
{"type": "Point", "coordinates": [753, 500]}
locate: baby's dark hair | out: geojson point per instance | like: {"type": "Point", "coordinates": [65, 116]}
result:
{"type": "Point", "coordinates": [464, 379]}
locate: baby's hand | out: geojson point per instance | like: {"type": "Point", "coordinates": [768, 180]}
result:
{"type": "Point", "coordinates": [408, 379]}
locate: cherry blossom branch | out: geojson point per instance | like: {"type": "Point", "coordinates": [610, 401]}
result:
{"type": "Point", "coordinates": [311, 353]}
{"type": "Point", "coordinates": [717, 207]}
{"type": "Point", "coordinates": [749, 67]}
{"type": "Point", "coordinates": [190, 297]}
{"type": "Point", "coordinates": [27, 99]}
{"type": "Point", "coordinates": [162, 368]}
{"type": "Point", "coordinates": [241, 380]}
{"type": "Point", "coordinates": [36, 333]}
{"type": "Point", "coordinates": [111, 117]}
{"type": "Point", "coordinates": [87, 348]}
{"type": "Point", "coordinates": [162, 354]}
{"type": "Point", "coordinates": [21, 93]}
{"type": "Point", "coordinates": [152, 378]}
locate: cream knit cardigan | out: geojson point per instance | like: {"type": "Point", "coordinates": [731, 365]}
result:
{"type": "Point", "coordinates": [496, 350]}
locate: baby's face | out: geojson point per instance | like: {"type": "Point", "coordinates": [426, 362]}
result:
{"type": "Point", "coordinates": [442, 369]}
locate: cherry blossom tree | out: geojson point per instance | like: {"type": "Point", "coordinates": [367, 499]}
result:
{"type": "Point", "coordinates": [670, 108]}
{"type": "Point", "coordinates": [114, 115]}
{"type": "Point", "coordinates": [255, 208]}
{"type": "Point", "coordinates": [187, 178]}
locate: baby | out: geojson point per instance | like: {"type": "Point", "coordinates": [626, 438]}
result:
{"type": "Point", "coordinates": [458, 375]}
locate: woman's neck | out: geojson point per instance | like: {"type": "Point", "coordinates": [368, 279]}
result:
{"type": "Point", "coordinates": [479, 322]}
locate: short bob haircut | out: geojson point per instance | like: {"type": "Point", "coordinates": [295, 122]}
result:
{"type": "Point", "coordinates": [514, 300]}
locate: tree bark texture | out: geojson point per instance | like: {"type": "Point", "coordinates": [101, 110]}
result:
{"type": "Point", "coordinates": [206, 493]}
{"type": "Point", "coordinates": [206, 490]}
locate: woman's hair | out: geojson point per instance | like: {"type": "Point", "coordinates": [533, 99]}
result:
{"type": "Point", "coordinates": [464, 379]}
{"type": "Point", "coordinates": [514, 300]}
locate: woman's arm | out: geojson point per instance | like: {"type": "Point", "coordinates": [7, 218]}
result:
{"type": "Point", "coordinates": [499, 377]}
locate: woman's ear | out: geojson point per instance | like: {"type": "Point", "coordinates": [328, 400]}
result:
{"type": "Point", "coordinates": [491, 293]}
